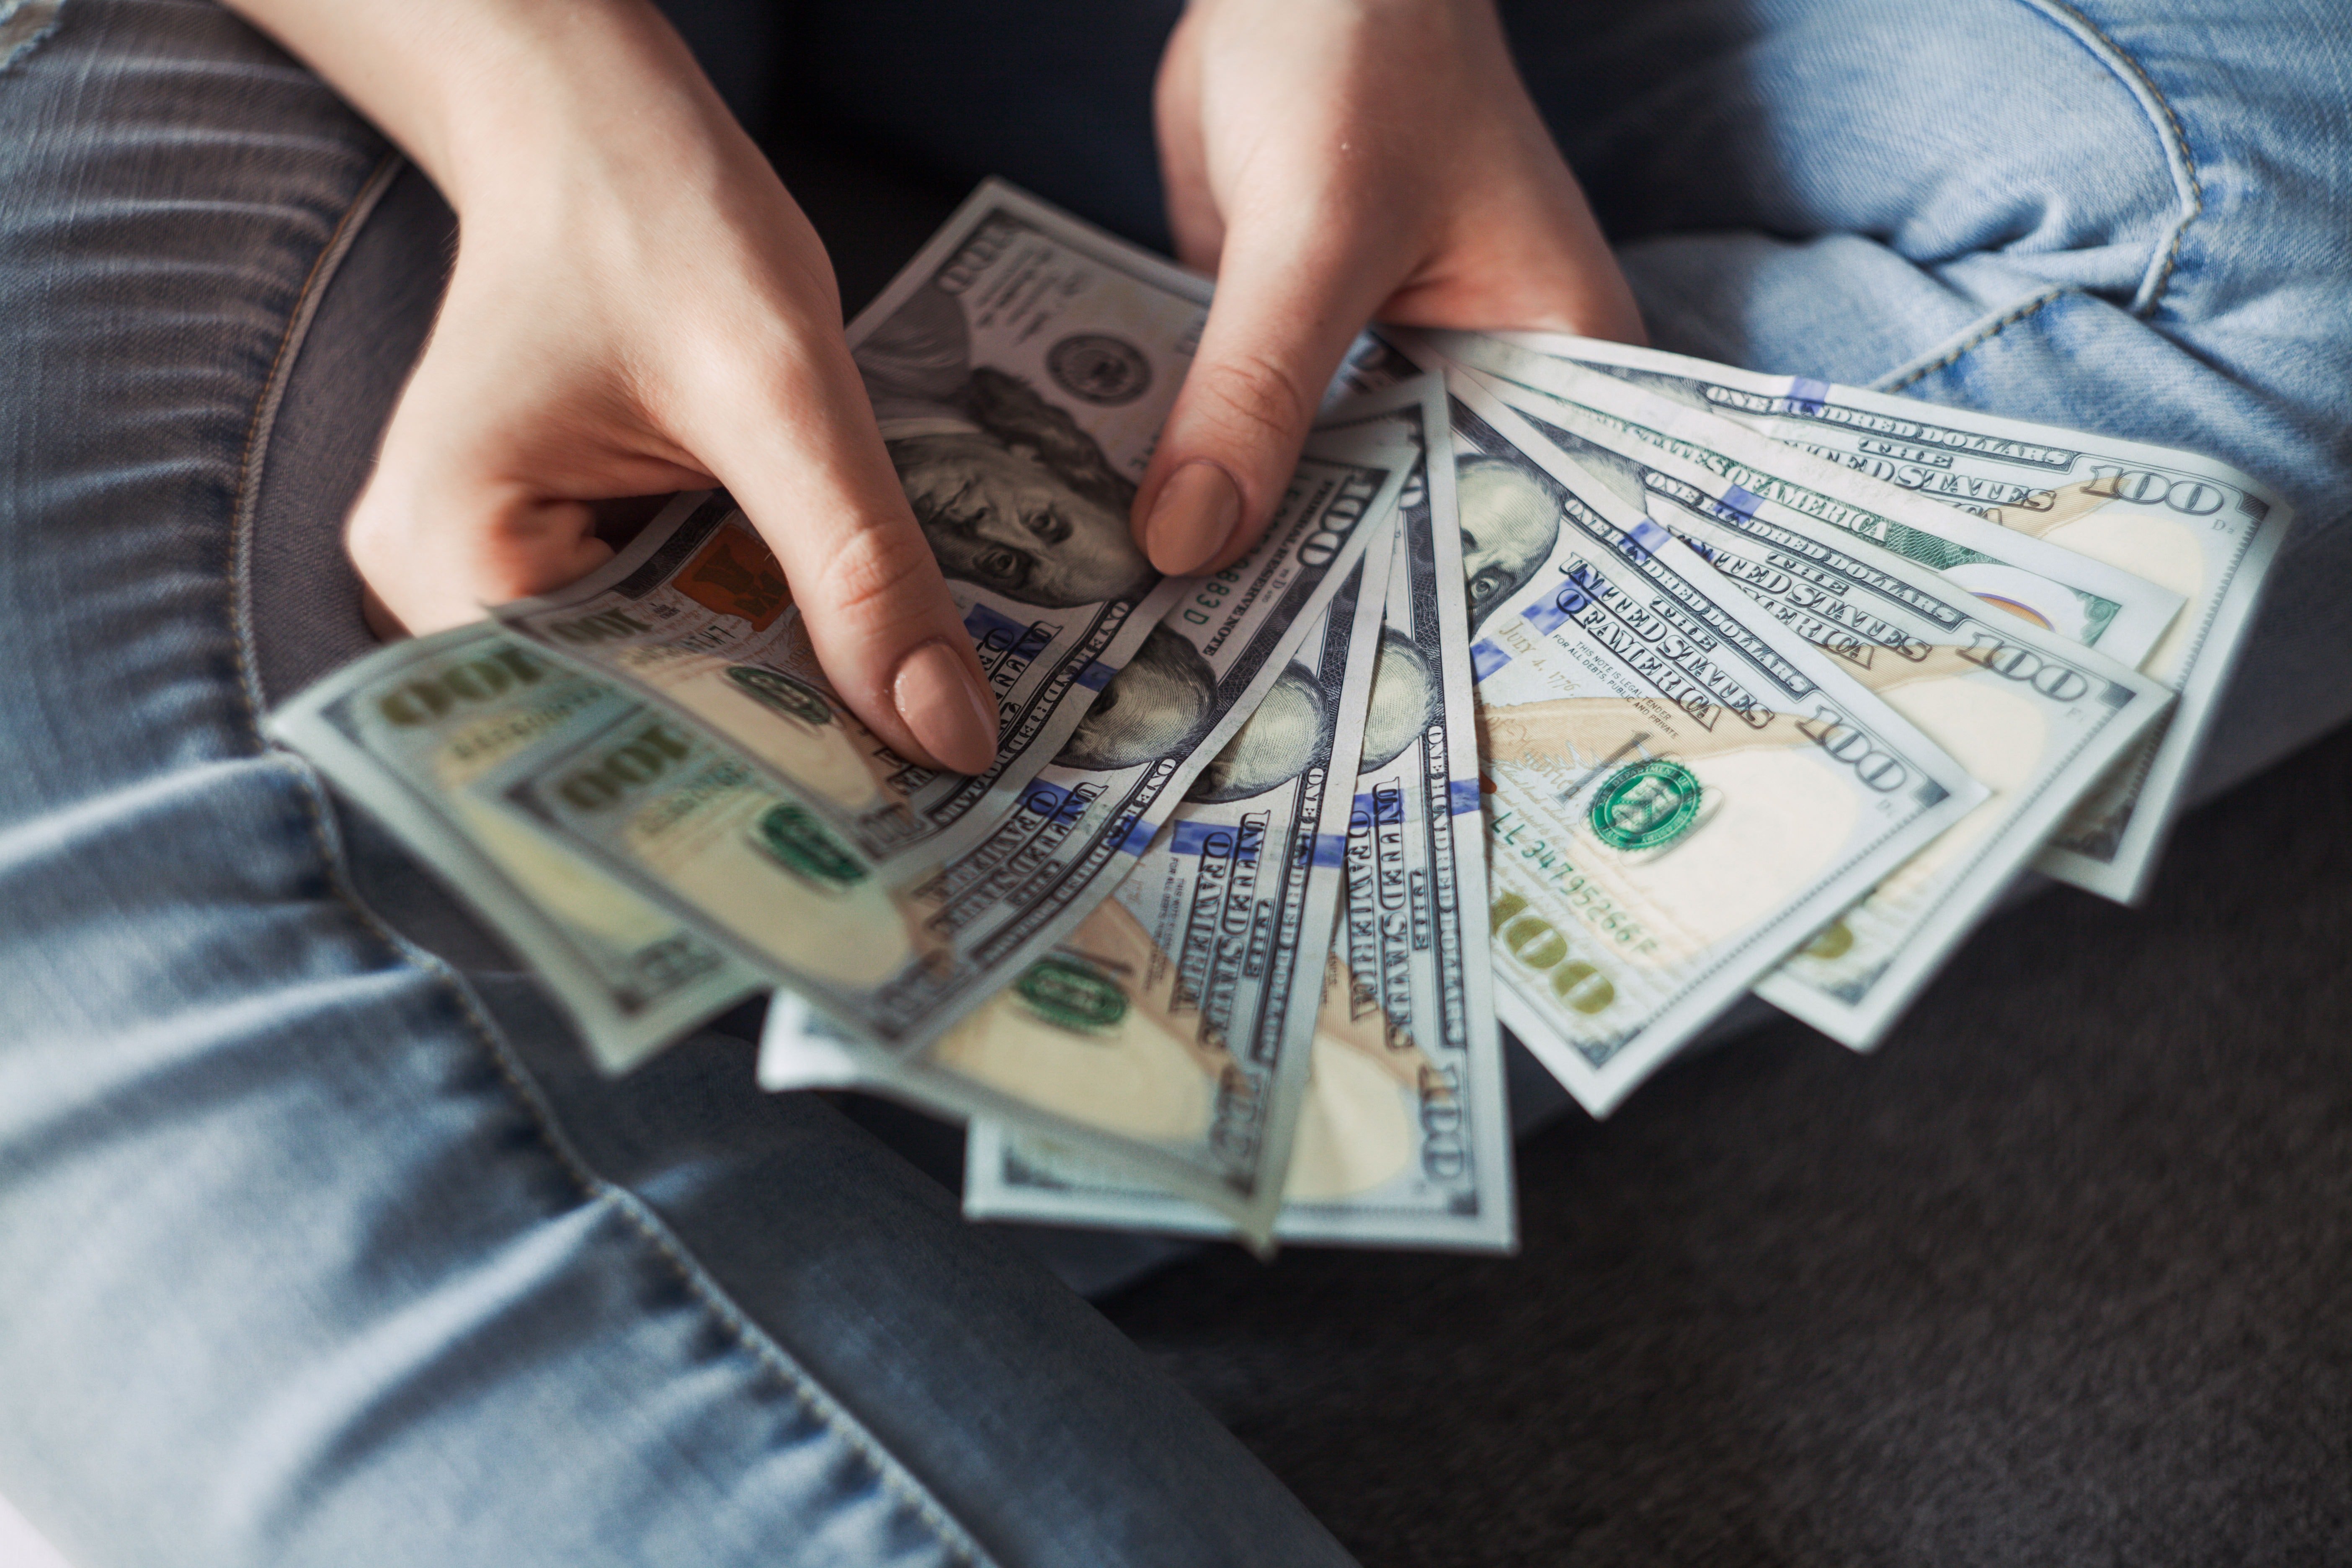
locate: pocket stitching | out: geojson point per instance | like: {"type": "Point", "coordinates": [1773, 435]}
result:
{"type": "Point", "coordinates": [2187, 182]}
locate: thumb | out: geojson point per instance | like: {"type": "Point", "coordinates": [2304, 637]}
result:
{"type": "Point", "coordinates": [807, 465]}
{"type": "Point", "coordinates": [1287, 305]}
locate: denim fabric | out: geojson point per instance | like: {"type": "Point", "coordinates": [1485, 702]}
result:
{"type": "Point", "coordinates": [318, 1239]}
{"type": "Point", "coordinates": [2133, 217]}
{"type": "Point", "coordinates": [313, 1249]}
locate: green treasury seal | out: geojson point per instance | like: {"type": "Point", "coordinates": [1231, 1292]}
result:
{"type": "Point", "coordinates": [800, 843]}
{"type": "Point", "coordinates": [1071, 994]}
{"type": "Point", "coordinates": [1646, 805]}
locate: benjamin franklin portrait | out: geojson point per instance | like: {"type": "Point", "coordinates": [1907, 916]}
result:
{"type": "Point", "coordinates": [1510, 519]}
{"type": "Point", "coordinates": [1290, 734]}
{"type": "Point", "coordinates": [1404, 698]}
{"type": "Point", "coordinates": [1156, 707]}
{"type": "Point", "coordinates": [1618, 474]}
{"type": "Point", "coordinates": [1013, 496]}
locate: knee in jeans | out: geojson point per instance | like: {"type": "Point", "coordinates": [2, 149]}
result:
{"type": "Point", "coordinates": [2002, 131]}
{"type": "Point", "coordinates": [2012, 132]}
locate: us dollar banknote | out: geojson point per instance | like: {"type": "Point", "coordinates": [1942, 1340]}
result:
{"type": "Point", "coordinates": [1678, 788]}
{"type": "Point", "coordinates": [1020, 368]}
{"type": "Point", "coordinates": [408, 729]}
{"type": "Point", "coordinates": [2083, 599]}
{"type": "Point", "coordinates": [2033, 717]}
{"type": "Point", "coordinates": [2188, 523]}
{"type": "Point", "coordinates": [1404, 1138]}
{"type": "Point", "coordinates": [799, 1048]}
{"type": "Point", "coordinates": [1180, 1015]}
{"type": "Point", "coordinates": [895, 953]}
{"type": "Point", "coordinates": [1182, 1012]}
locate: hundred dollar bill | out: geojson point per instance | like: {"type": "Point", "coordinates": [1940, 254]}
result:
{"type": "Point", "coordinates": [1184, 1011]}
{"type": "Point", "coordinates": [1404, 1139]}
{"type": "Point", "coordinates": [1682, 789]}
{"type": "Point", "coordinates": [894, 954]}
{"type": "Point", "coordinates": [2195, 526]}
{"type": "Point", "coordinates": [1410, 1143]}
{"type": "Point", "coordinates": [1020, 368]}
{"type": "Point", "coordinates": [407, 729]}
{"type": "Point", "coordinates": [2079, 597]}
{"type": "Point", "coordinates": [1349, 1105]}
{"type": "Point", "coordinates": [2034, 717]}
{"type": "Point", "coordinates": [799, 1049]}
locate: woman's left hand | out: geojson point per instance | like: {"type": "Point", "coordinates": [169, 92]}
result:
{"type": "Point", "coordinates": [1332, 162]}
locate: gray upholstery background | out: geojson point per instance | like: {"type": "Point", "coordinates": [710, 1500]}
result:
{"type": "Point", "coordinates": [2062, 1274]}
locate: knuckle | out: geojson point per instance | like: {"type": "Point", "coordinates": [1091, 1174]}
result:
{"type": "Point", "coordinates": [874, 576]}
{"type": "Point", "coordinates": [382, 536]}
{"type": "Point", "coordinates": [1257, 397]}
{"type": "Point", "coordinates": [370, 536]}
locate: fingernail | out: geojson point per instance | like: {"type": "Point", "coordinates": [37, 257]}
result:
{"type": "Point", "coordinates": [1194, 519]}
{"type": "Point", "coordinates": [942, 703]}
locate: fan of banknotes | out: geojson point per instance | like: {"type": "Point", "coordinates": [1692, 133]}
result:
{"type": "Point", "coordinates": [1575, 689]}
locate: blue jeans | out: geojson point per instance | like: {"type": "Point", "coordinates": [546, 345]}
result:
{"type": "Point", "coordinates": [318, 1240]}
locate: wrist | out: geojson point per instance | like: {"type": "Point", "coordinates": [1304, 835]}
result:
{"type": "Point", "coordinates": [603, 93]}
{"type": "Point", "coordinates": [488, 96]}
{"type": "Point", "coordinates": [608, 87]}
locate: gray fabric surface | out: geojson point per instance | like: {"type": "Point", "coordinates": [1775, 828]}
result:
{"type": "Point", "coordinates": [2059, 1275]}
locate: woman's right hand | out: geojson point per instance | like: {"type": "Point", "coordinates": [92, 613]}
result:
{"type": "Point", "coordinates": [636, 306]}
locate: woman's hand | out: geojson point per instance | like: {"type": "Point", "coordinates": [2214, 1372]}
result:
{"type": "Point", "coordinates": [637, 306]}
{"type": "Point", "coordinates": [1334, 160]}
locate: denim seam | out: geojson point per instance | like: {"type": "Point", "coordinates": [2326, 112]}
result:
{"type": "Point", "coordinates": [812, 1398]}
{"type": "Point", "coordinates": [265, 417]}
{"type": "Point", "coordinates": [2186, 184]}
{"type": "Point", "coordinates": [2189, 188]}
{"type": "Point", "coordinates": [1972, 337]}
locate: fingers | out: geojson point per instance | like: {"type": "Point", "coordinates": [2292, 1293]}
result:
{"type": "Point", "coordinates": [1192, 217]}
{"type": "Point", "coordinates": [479, 498]}
{"type": "Point", "coordinates": [479, 494]}
{"type": "Point", "coordinates": [1521, 254]}
{"type": "Point", "coordinates": [804, 460]}
{"type": "Point", "coordinates": [1337, 162]}
{"type": "Point", "coordinates": [1289, 299]}
{"type": "Point", "coordinates": [480, 551]}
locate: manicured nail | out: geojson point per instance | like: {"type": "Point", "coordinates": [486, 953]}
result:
{"type": "Point", "coordinates": [942, 703]}
{"type": "Point", "coordinates": [1194, 519]}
